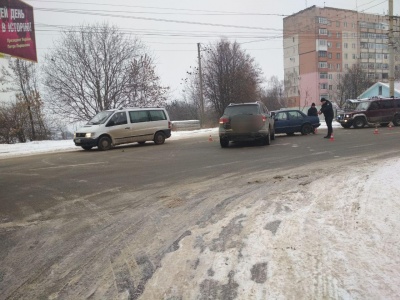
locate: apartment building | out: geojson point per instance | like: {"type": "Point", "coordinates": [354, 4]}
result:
{"type": "Point", "coordinates": [320, 44]}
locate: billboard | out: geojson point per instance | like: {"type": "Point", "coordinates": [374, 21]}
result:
{"type": "Point", "coordinates": [17, 30]}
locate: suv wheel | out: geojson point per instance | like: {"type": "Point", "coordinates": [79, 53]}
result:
{"type": "Point", "coordinates": [359, 122]}
{"type": "Point", "coordinates": [104, 143]}
{"type": "Point", "coordinates": [224, 142]}
{"type": "Point", "coordinates": [267, 139]}
{"type": "Point", "coordinates": [396, 120]}
{"type": "Point", "coordinates": [306, 129]}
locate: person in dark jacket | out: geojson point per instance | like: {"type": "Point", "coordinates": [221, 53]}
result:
{"type": "Point", "coordinates": [327, 110]}
{"type": "Point", "coordinates": [312, 111]}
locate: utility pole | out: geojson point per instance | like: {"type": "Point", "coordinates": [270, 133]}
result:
{"type": "Point", "coordinates": [391, 50]}
{"type": "Point", "coordinates": [201, 89]}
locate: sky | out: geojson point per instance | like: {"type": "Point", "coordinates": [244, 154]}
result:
{"type": "Point", "coordinates": [171, 29]}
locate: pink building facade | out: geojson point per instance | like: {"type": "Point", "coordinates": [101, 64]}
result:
{"type": "Point", "coordinates": [320, 44]}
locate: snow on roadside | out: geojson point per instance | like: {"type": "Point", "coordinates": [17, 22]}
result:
{"type": "Point", "coordinates": [37, 147]}
{"type": "Point", "coordinates": [326, 236]}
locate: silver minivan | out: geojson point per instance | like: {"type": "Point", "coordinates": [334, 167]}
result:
{"type": "Point", "coordinates": [121, 126]}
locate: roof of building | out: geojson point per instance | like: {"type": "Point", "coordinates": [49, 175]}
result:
{"type": "Point", "coordinates": [396, 86]}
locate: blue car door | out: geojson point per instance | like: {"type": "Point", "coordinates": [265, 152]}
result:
{"type": "Point", "coordinates": [281, 122]}
{"type": "Point", "coordinates": [295, 121]}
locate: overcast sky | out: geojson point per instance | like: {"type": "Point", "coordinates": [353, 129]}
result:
{"type": "Point", "coordinates": [172, 28]}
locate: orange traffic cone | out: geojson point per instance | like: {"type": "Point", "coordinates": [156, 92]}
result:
{"type": "Point", "coordinates": [376, 130]}
{"type": "Point", "coordinates": [210, 139]}
{"type": "Point", "coordinates": [332, 138]}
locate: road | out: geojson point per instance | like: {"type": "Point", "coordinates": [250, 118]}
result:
{"type": "Point", "coordinates": [98, 225]}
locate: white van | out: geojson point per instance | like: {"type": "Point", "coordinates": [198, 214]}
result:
{"type": "Point", "coordinates": [126, 125]}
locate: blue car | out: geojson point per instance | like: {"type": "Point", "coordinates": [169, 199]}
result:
{"type": "Point", "coordinates": [290, 121]}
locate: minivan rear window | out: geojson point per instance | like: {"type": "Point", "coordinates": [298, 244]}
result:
{"type": "Point", "coordinates": [157, 115]}
{"type": "Point", "coordinates": [139, 116]}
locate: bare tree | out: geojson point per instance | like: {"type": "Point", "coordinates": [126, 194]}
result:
{"type": "Point", "coordinates": [21, 77]}
{"type": "Point", "coordinates": [352, 83]}
{"type": "Point", "coordinates": [97, 67]}
{"type": "Point", "coordinates": [274, 96]}
{"type": "Point", "coordinates": [229, 75]}
{"type": "Point", "coordinates": [143, 88]}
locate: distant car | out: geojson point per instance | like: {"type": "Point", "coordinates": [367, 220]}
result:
{"type": "Point", "coordinates": [290, 121]}
{"type": "Point", "coordinates": [246, 122]}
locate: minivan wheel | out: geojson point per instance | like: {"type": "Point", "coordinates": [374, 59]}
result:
{"type": "Point", "coordinates": [359, 122]}
{"type": "Point", "coordinates": [159, 138]}
{"type": "Point", "coordinates": [104, 143]}
{"type": "Point", "coordinates": [396, 120]}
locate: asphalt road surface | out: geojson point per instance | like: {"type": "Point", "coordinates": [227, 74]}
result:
{"type": "Point", "coordinates": [97, 225]}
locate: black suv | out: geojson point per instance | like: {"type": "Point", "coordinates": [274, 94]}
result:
{"type": "Point", "coordinates": [246, 122]}
{"type": "Point", "coordinates": [372, 112]}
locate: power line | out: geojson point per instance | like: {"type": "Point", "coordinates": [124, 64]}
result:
{"type": "Point", "coordinates": [211, 12]}
{"type": "Point", "coordinates": [90, 12]}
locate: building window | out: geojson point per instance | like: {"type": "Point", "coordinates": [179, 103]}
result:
{"type": "Point", "coordinates": [322, 53]}
{"type": "Point", "coordinates": [345, 55]}
{"type": "Point", "coordinates": [329, 55]}
{"type": "Point", "coordinates": [323, 86]}
{"type": "Point", "coordinates": [323, 75]}
{"type": "Point", "coordinates": [338, 45]}
{"type": "Point", "coordinates": [322, 20]}
{"type": "Point", "coordinates": [346, 66]}
{"type": "Point", "coordinates": [338, 67]}
{"type": "Point", "coordinates": [322, 42]}
{"type": "Point", "coordinates": [338, 34]}
{"type": "Point", "coordinates": [380, 91]}
{"type": "Point", "coordinates": [345, 45]}
{"type": "Point", "coordinates": [337, 55]}
{"type": "Point", "coordinates": [353, 46]}
{"type": "Point", "coordinates": [337, 24]}
{"type": "Point", "coordinates": [330, 76]}
{"type": "Point", "coordinates": [354, 56]}
{"type": "Point", "coordinates": [322, 64]}
{"type": "Point", "coordinates": [323, 31]}
{"type": "Point", "coordinates": [344, 24]}
{"type": "Point", "coordinates": [329, 44]}
{"type": "Point", "coordinates": [330, 87]}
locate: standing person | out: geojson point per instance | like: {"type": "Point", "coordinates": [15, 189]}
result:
{"type": "Point", "coordinates": [312, 111]}
{"type": "Point", "coordinates": [327, 110]}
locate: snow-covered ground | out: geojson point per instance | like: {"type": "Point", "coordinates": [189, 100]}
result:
{"type": "Point", "coordinates": [321, 235]}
